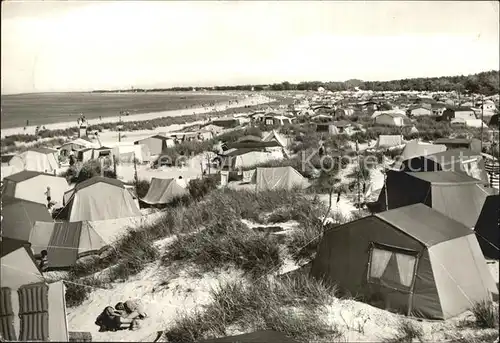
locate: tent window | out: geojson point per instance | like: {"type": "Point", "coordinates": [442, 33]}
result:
{"type": "Point", "coordinates": [380, 260]}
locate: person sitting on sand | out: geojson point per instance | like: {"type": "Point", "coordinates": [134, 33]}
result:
{"type": "Point", "coordinates": [112, 320]}
{"type": "Point", "coordinates": [131, 309]}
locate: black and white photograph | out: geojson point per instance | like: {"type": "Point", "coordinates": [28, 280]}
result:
{"type": "Point", "coordinates": [250, 171]}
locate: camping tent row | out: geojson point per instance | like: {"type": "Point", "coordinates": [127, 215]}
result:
{"type": "Point", "coordinates": [267, 179]}
{"type": "Point", "coordinates": [31, 309]}
{"type": "Point", "coordinates": [455, 195]}
{"type": "Point", "coordinates": [75, 145]}
{"type": "Point", "coordinates": [98, 198]}
{"type": "Point", "coordinates": [405, 260]}
{"type": "Point", "coordinates": [125, 153]}
{"type": "Point", "coordinates": [65, 242]}
{"type": "Point", "coordinates": [32, 186]}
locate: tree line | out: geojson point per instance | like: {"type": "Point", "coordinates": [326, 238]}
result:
{"type": "Point", "coordinates": [486, 83]}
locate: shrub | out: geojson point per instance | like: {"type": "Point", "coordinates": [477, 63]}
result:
{"type": "Point", "coordinates": [198, 188]}
{"type": "Point", "coordinates": [142, 188]}
{"type": "Point", "coordinates": [91, 169]}
{"type": "Point", "coordinates": [225, 242]}
{"type": "Point", "coordinates": [486, 314]}
{"type": "Point", "coordinates": [262, 305]}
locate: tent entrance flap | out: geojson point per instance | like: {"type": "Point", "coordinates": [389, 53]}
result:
{"type": "Point", "coordinates": [63, 245]}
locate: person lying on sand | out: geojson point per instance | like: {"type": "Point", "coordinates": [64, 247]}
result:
{"type": "Point", "coordinates": [131, 309]}
{"type": "Point", "coordinates": [112, 320]}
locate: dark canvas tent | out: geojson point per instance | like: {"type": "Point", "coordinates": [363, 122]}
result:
{"type": "Point", "coordinates": [162, 191]}
{"type": "Point", "coordinates": [405, 260]}
{"type": "Point", "coordinates": [456, 195]}
{"type": "Point", "coordinates": [65, 242]}
{"type": "Point", "coordinates": [487, 227]}
{"type": "Point", "coordinates": [19, 216]}
{"type": "Point", "coordinates": [264, 336]}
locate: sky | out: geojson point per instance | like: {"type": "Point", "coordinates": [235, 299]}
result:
{"type": "Point", "coordinates": [70, 46]}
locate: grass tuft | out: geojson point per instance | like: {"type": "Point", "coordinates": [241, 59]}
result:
{"type": "Point", "coordinates": [407, 332]}
{"type": "Point", "coordinates": [486, 314]}
{"type": "Point", "coordinates": [285, 305]}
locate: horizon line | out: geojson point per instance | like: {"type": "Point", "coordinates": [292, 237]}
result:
{"type": "Point", "coordinates": [170, 88]}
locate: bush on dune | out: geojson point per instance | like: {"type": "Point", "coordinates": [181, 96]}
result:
{"type": "Point", "coordinates": [199, 188]}
{"type": "Point", "coordinates": [142, 187]}
{"type": "Point", "coordinates": [288, 305]}
{"type": "Point", "coordinates": [486, 314]}
{"type": "Point", "coordinates": [225, 242]}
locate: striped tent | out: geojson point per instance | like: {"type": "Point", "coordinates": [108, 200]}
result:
{"type": "Point", "coordinates": [65, 242]}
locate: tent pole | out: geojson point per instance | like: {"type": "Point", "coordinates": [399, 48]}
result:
{"type": "Point", "coordinates": [412, 288]}
{"type": "Point", "coordinates": [385, 187]}
{"type": "Point", "coordinates": [482, 122]}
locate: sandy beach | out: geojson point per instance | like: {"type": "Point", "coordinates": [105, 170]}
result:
{"type": "Point", "coordinates": [242, 102]}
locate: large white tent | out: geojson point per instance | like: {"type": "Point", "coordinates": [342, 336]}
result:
{"type": "Point", "coordinates": [279, 178]}
{"type": "Point", "coordinates": [32, 186]}
{"type": "Point", "coordinates": [127, 152]}
{"type": "Point", "coordinates": [36, 159]}
{"type": "Point", "coordinates": [99, 198]}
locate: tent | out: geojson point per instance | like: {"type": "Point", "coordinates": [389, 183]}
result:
{"type": "Point", "coordinates": [487, 227]}
{"type": "Point", "coordinates": [31, 310]}
{"type": "Point", "coordinates": [32, 186]}
{"type": "Point", "coordinates": [415, 148]}
{"type": "Point", "coordinates": [9, 170]}
{"type": "Point", "coordinates": [36, 159]}
{"type": "Point", "coordinates": [127, 152]}
{"type": "Point", "coordinates": [19, 216]}
{"type": "Point", "coordinates": [405, 260]}
{"type": "Point", "coordinates": [278, 178]}
{"type": "Point", "coordinates": [74, 145]}
{"type": "Point", "coordinates": [389, 141]}
{"type": "Point", "coordinates": [65, 242]}
{"type": "Point", "coordinates": [99, 198]}
{"type": "Point", "coordinates": [456, 195]}
{"type": "Point", "coordinates": [247, 157]}
{"type": "Point", "coordinates": [458, 160]}
{"type": "Point", "coordinates": [162, 191]}
{"type": "Point", "coordinates": [264, 336]}
{"type": "Point", "coordinates": [156, 144]}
